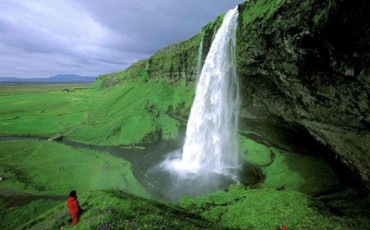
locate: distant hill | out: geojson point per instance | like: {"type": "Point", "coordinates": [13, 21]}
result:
{"type": "Point", "coordinates": [59, 78]}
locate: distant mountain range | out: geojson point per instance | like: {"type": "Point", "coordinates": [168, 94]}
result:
{"type": "Point", "coordinates": [59, 78]}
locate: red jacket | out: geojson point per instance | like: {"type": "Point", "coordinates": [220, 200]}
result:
{"type": "Point", "coordinates": [73, 206]}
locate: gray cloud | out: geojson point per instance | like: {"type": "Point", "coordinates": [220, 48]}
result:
{"type": "Point", "coordinates": [46, 37]}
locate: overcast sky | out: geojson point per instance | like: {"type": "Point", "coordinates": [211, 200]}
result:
{"type": "Point", "coordinates": [41, 38]}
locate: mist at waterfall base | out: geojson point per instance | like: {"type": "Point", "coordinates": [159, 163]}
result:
{"type": "Point", "coordinates": [209, 158]}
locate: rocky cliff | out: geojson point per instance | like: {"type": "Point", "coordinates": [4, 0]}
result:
{"type": "Point", "coordinates": [305, 64]}
{"type": "Point", "coordinates": [304, 67]}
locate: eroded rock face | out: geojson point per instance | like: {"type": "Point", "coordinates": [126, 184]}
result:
{"type": "Point", "coordinates": [308, 63]}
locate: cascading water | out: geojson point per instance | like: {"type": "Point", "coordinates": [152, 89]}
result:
{"type": "Point", "coordinates": [200, 60]}
{"type": "Point", "coordinates": [214, 32]}
{"type": "Point", "coordinates": [208, 160]}
{"type": "Point", "coordinates": [210, 151]}
{"type": "Point", "coordinates": [211, 143]}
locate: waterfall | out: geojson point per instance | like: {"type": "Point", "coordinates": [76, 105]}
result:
{"type": "Point", "coordinates": [200, 60]}
{"type": "Point", "coordinates": [214, 32]}
{"type": "Point", "coordinates": [211, 141]}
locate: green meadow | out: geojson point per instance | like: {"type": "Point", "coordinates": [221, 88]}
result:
{"type": "Point", "coordinates": [40, 173]}
{"type": "Point", "coordinates": [134, 112]}
{"type": "Point", "coordinates": [42, 110]}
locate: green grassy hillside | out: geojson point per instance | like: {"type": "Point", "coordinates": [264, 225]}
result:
{"type": "Point", "coordinates": [114, 209]}
{"type": "Point", "coordinates": [136, 111]}
{"type": "Point", "coordinates": [49, 168]}
{"type": "Point", "coordinates": [236, 208]}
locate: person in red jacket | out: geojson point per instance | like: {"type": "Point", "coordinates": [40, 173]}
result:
{"type": "Point", "coordinates": [73, 206]}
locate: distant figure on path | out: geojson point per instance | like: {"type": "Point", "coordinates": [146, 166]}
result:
{"type": "Point", "coordinates": [73, 206]}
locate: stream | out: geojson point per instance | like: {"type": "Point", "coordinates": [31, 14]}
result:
{"type": "Point", "coordinates": [145, 160]}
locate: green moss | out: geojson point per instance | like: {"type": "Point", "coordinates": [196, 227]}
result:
{"type": "Point", "coordinates": [255, 153]}
{"type": "Point", "coordinates": [242, 208]}
{"type": "Point", "coordinates": [300, 172]}
{"type": "Point", "coordinates": [289, 170]}
{"type": "Point", "coordinates": [259, 9]}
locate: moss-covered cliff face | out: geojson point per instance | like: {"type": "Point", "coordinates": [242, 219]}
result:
{"type": "Point", "coordinates": [306, 64]}
{"type": "Point", "coordinates": [304, 70]}
{"type": "Point", "coordinates": [175, 63]}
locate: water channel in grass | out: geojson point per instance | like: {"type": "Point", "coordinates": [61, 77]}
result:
{"type": "Point", "coordinates": [145, 161]}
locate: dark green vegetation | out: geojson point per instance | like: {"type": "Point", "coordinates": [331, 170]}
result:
{"type": "Point", "coordinates": [242, 208]}
{"type": "Point", "coordinates": [14, 216]}
{"type": "Point", "coordinates": [304, 74]}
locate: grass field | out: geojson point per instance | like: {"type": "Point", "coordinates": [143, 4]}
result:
{"type": "Point", "coordinates": [133, 112]}
{"type": "Point", "coordinates": [42, 110]}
